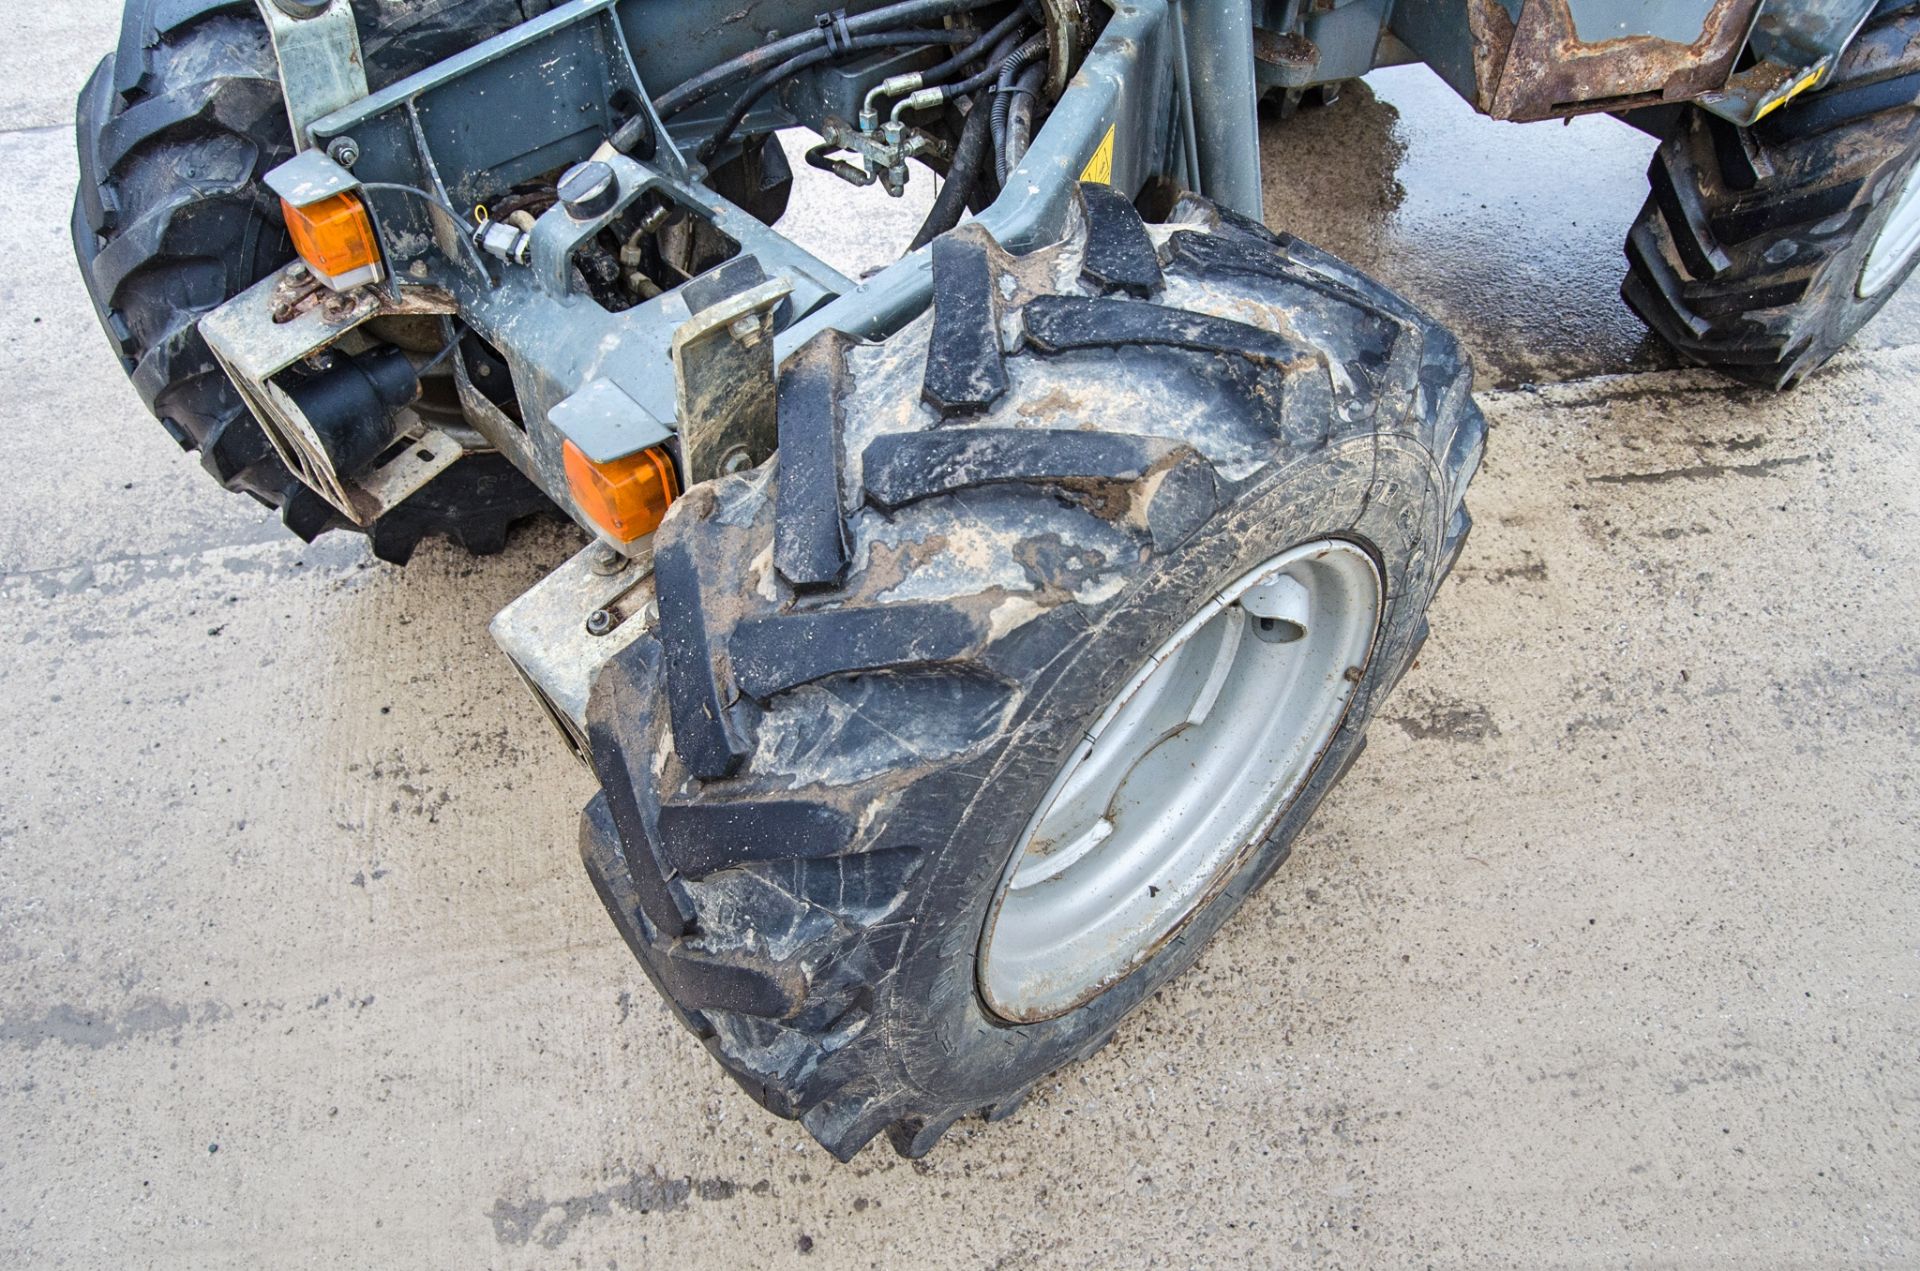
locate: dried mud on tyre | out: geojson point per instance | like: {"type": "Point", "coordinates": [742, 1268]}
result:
{"type": "Point", "coordinates": [875, 652]}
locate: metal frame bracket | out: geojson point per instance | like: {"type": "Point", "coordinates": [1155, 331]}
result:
{"type": "Point", "coordinates": [724, 371]}
{"type": "Point", "coordinates": [318, 48]}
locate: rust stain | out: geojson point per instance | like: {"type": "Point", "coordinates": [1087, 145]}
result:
{"type": "Point", "coordinates": [1539, 68]}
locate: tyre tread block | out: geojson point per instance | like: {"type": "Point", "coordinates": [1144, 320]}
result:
{"type": "Point", "coordinates": [848, 1123]}
{"type": "Point", "coordinates": [613, 879]}
{"type": "Point", "coordinates": [96, 209]}
{"type": "Point", "coordinates": [1119, 255]}
{"type": "Point", "coordinates": [1060, 324]}
{"type": "Point", "coordinates": [1738, 224]}
{"type": "Point", "coordinates": [902, 468]}
{"type": "Point", "coordinates": [703, 729]}
{"type": "Point", "coordinates": [1213, 253]}
{"type": "Point", "coordinates": [810, 527]}
{"type": "Point", "coordinates": [697, 839]}
{"type": "Point", "coordinates": [1821, 112]}
{"type": "Point", "coordinates": [621, 703]}
{"type": "Point", "coordinates": [773, 654]}
{"type": "Point", "coordinates": [1186, 499]}
{"type": "Point", "coordinates": [231, 103]}
{"type": "Point", "coordinates": [966, 371]}
{"type": "Point", "coordinates": [1688, 221]}
{"type": "Point", "coordinates": [702, 981]}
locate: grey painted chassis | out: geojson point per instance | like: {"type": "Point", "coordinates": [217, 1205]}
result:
{"type": "Point", "coordinates": [1174, 84]}
{"type": "Point", "coordinates": [1168, 89]}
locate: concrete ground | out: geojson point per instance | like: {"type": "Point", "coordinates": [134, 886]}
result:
{"type": "Point", "coordinates": [1604, 954]}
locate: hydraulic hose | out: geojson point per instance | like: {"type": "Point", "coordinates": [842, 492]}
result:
{"type": "Point", "coordinates": [978, 49]}
{"type": "Point", "coordinates": [969, 156]}
{"type": "Point", "coordinates": [794, 65]}
{"type": "Point", "coordinates": [1009, 70]}
{"type": "Point", "coordinates": [973, 83]}
{"type": "Point", "coordinates": [886, 18]}
{"type": "Point", "coordinates": [1020, 114]}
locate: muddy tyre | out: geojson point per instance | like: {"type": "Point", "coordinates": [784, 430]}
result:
{"type": "Point", "coordinates": [176, 129]}
{"type": "Point", "coordinates": [1761, 251]}
{"type": "Point", "coordinates": [878, 656]}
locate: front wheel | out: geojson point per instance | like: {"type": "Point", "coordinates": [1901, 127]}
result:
{"type": "Point", "coordinates": [1761, 251]}
{"type": "Point", "coordinates": [971, 718]}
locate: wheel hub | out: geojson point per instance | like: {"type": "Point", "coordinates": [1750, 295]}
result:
{"type": "Point", "coordinates": [1896, 242]}
{"type": "Point", "coordinates": [1187, 769]}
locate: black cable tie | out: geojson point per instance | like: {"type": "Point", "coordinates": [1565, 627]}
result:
{"type": "Point", "coordinates": [839, 38]}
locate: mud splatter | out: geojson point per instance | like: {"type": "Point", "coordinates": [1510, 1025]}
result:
{"type": "Point", "coordinates": [1700, 472]}
{"type": "Point", "coordinates": [549, 1223]}
{"type": "Point", "coordinates": [1438, 718]}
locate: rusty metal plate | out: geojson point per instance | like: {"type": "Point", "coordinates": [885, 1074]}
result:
{"type": "Point", "coordinates": [1564, 57]}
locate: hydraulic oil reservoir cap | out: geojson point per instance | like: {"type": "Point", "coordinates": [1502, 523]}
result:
{"type": "Point", "coordinates": [589, 190]}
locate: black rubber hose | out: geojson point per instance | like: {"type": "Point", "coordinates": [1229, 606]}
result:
{"type": "Point", "coordinates": [885, 18]}
{"type": "Point", "coordinates": [984, 78]}
{"type": "Point", "coordinates": [794, 65]}
{"type": "Point", "coordinates": [1023, 97]}
{"type": "Point", "coordinates": [969, 156]}
{"type": "Point", "coordinates": [978, 49]}
{"type": "Point", "coordinates": [1003, 97]}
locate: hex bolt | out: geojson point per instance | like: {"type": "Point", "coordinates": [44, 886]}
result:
{"type": "Point", "coordinates": [747, 330]}
{"type": "Point", "coordinates": [738, 459]}
{"type": "Point", "coordinates": [606, 561]}
{"type": "Point", "coordinates": [599, 622]}
{"type": "Point", "coordinates": [344, 151]}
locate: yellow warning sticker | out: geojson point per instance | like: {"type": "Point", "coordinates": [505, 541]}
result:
{"type": "Point", "coordinates": [1806, 81]}
{"type": "Point", "coordinates": [1100, 167]}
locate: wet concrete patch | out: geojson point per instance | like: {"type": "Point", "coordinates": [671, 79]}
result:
{"type": "Point", "coordinates": [92, 1028]}
{"type": "Point", "coordinates": [1511, 234]}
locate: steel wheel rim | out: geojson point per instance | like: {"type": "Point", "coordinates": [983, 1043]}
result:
{"type": "Point", "coordinates": [1896, 242]}
{"type": "Point", "coordinates": [1187, 768]}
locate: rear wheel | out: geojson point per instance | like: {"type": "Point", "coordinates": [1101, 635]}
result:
{"type": "Point", "coordinates": [176, 130]}
{"type": "Point", "coordinates": [1761, 251]}
{"type": "Point", "coordinates": [968, 720]}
